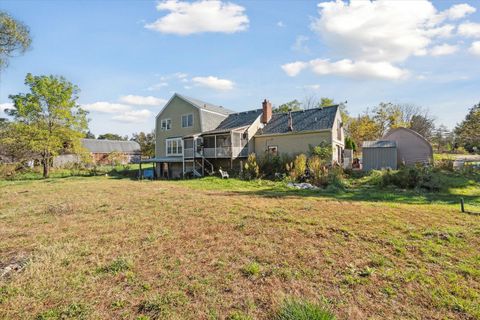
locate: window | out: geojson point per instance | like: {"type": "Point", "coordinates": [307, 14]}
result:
{"type": "Point", "coordinates": [166, 124]}
{"type": "Point", "coordinates": [272, 150]}
{"type": "Point", "coordinates": [187, 120]}
{"type": "Point", "coordinates": [339, 130]}
{"type": "Point", "coordinates": [174, 146]}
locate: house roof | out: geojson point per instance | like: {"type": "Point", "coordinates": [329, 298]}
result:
{"type": "Point", "coordinates": [107, 146]}
{"type": "Point", "coordinates": [205, 105]}
{"type": "Point", "coordinates": [240, 119]}
{"type": "Point", "coordinates": [303, 120]}
{"type": "Point", "coordinates": [379, 144]}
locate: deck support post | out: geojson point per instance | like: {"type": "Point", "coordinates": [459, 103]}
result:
{"type": "Point", "coordinates": [140, 171]}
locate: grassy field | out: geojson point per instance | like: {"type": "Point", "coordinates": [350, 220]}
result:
{"type": "Point", "coordinates": [109, 248]}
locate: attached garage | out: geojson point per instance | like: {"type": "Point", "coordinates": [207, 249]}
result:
{"type": "Point", "coordinates": [379, 155]}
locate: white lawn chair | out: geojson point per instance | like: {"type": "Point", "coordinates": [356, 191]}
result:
{"type": "Point", "coordinates": [224, 174]}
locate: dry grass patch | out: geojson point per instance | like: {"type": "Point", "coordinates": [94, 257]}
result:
{"type": "Point", "coordinates": [159, 250]}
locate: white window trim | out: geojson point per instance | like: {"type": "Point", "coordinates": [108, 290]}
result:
{"type": "Point", "coordinates": [187, 114]}
{"type": "Point", "coordinates": [165, 120]}
{"type": "Point", "coordinates": [172, 153]}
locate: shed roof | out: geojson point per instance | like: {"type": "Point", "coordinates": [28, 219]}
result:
{"type": "Point", "coordinates": [107, 146]}
{"type": "Point", "coordinates": [303, 120]}
{"type": "Point", "coordinates": [379, 144]}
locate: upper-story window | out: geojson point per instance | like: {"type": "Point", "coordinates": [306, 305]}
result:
{"type": "Point", "coordinates": [187, 120]}
{"type": "Point", "coordinates": [339, 130]}
{"type": "Point", "coordinates": [166, 124]}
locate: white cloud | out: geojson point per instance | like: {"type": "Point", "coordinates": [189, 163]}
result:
{"type": "Point", "coordinates": [142, 100]}
{"type": "Point", "coordinates": [5, 106]}
{"type": "Point", "coordinates": [214, 83]}
{"type": "Point", "coordinates": [458, 11]}
{"type": "Point", "coordinates": [185, 18]}
{"type": "Point", "coordinates": [300, 45]}
{"type": "Point", "coordinates": [134, 116]}
{"type": "Point", "coordinates": [443, 49]}
{"type": "Point", "coordinates": [475, 48]}
{"type": "Point", "coordinates": [313, 86]}
{"type": "Point", "coordinates": [346, 67]}
{"type": "Point", "coordinates": [280, 24]}
{"type": "Point", "coordinates": [157, 86]}
{"type": "Point", "coordinates": [380, 30]}
{"type": "Point", "coordinates": [106, 107]}
{"type": "Point", "coordinates": [370, 39]}
{"type": "Point", "coordinates": [294, 68]}
{"type": "Point", "coordinates": [469, 30]}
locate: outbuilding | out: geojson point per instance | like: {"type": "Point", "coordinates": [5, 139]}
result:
{"type": "Point", "coordinates": [412, 148]}
{"type": "Point", "coordinates": [381, 154]}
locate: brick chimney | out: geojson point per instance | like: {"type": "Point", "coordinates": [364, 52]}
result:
{"type": "Point", "coordinates": [267, 111]}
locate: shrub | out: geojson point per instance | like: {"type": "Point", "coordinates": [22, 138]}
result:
{"type": "Point", "coordinates": [417, 177]}
{"type": "Point", "coordinates": [250, 169]}
{"type": "Point", "coordinates": [273, 165]}
{"type": "Point", "coordinates": [318, 171]}
{"type": "Point", "coordinates": [302, 310]}
{"type": "Point", "coordinates": [323, 150]}
{"type": "Point", "coordinates": [298, 168]}
{"type": "Point", "coordinates": [444, 164]}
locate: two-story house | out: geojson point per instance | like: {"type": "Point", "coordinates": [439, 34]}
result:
{"type": "Point", "coordinates": [197, 138]}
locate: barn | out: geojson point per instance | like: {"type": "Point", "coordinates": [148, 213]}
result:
{"type": "Point", "coordinates": [412, 148]}
{"type": "Point", "coordinates": [127, 151]}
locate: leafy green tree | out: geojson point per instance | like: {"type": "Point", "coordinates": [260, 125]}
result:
{"type": "Point", "coordinates": [48, 117]}
{"type": "Point", "coordinates": [14, 38]}
{"type": "Point", "coordinates": [443, 139]}
{"type": "Point", "coordinates": [364, 128]}
{"type": "Point", "coordinates": [112, 136]}
{"type": "Point", "coordinates": [468, 131]}
{"type": "Point", "coordinates": [89, 135]}
{"type": "Point", "coordinates": [293, 105]}
{"type": "Point", "coordinates": [146, 142]}
{"type": "Point", "coordinates": [350, 144]}
{"type": "Point", "coordinates": [326, 102]}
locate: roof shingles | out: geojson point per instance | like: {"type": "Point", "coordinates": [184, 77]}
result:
{"type": "Point", "coordinates": [304, 120]}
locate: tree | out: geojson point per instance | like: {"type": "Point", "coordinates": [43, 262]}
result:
{"type": "Point", "coordinates": [293, 105]}
{"type": "Point", "coordinates": [89, 135]}
{"type": "Point", "coordinates": [423, 125]}
{"type": "Point", "coordinates": [468, 131]}
{"type": "Point", "coordinates": [363, 128]}
{"type": "Point", "coordinates": [14, 38]}
{"type": "Point", "coordinates": [442, 138]}
{"type": "Point", "coordinates": [350, 144]}
{"type": "Point", "coordinates": [48, 117]}
{"type": "Point", "coordinates": [146, 142]}
{"type": "Point", "coordinates": [111, 136]}
{"type": "Point", "coordinates": [326, 102]}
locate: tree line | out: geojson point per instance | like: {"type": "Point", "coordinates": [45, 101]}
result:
{"type": "Point", "coordinates": [374, 123]}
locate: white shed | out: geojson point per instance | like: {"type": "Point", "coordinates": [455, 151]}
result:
{"type": "Point", "coordinates": [412, 148]}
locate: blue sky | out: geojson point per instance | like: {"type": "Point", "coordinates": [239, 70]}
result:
{"type": "Point", "coordinates": [129, 57]}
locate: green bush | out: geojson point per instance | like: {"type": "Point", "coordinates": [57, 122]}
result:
{"type": "Point", "coordinates": [302, 310]}
{"type": "Point", "coordinates": [250, 169]}
{"type": "Point", "coordinates": [298, 167]}
{"type": "Point", "coordinates": [323, 150]}
{"type": "Point", "coordinates": [271, 165]}
{"type": "Point", "coordinates": [417, 177]}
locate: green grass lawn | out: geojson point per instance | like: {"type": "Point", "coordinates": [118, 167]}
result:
{"type": "Point", "coordinates": [116, 248]}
